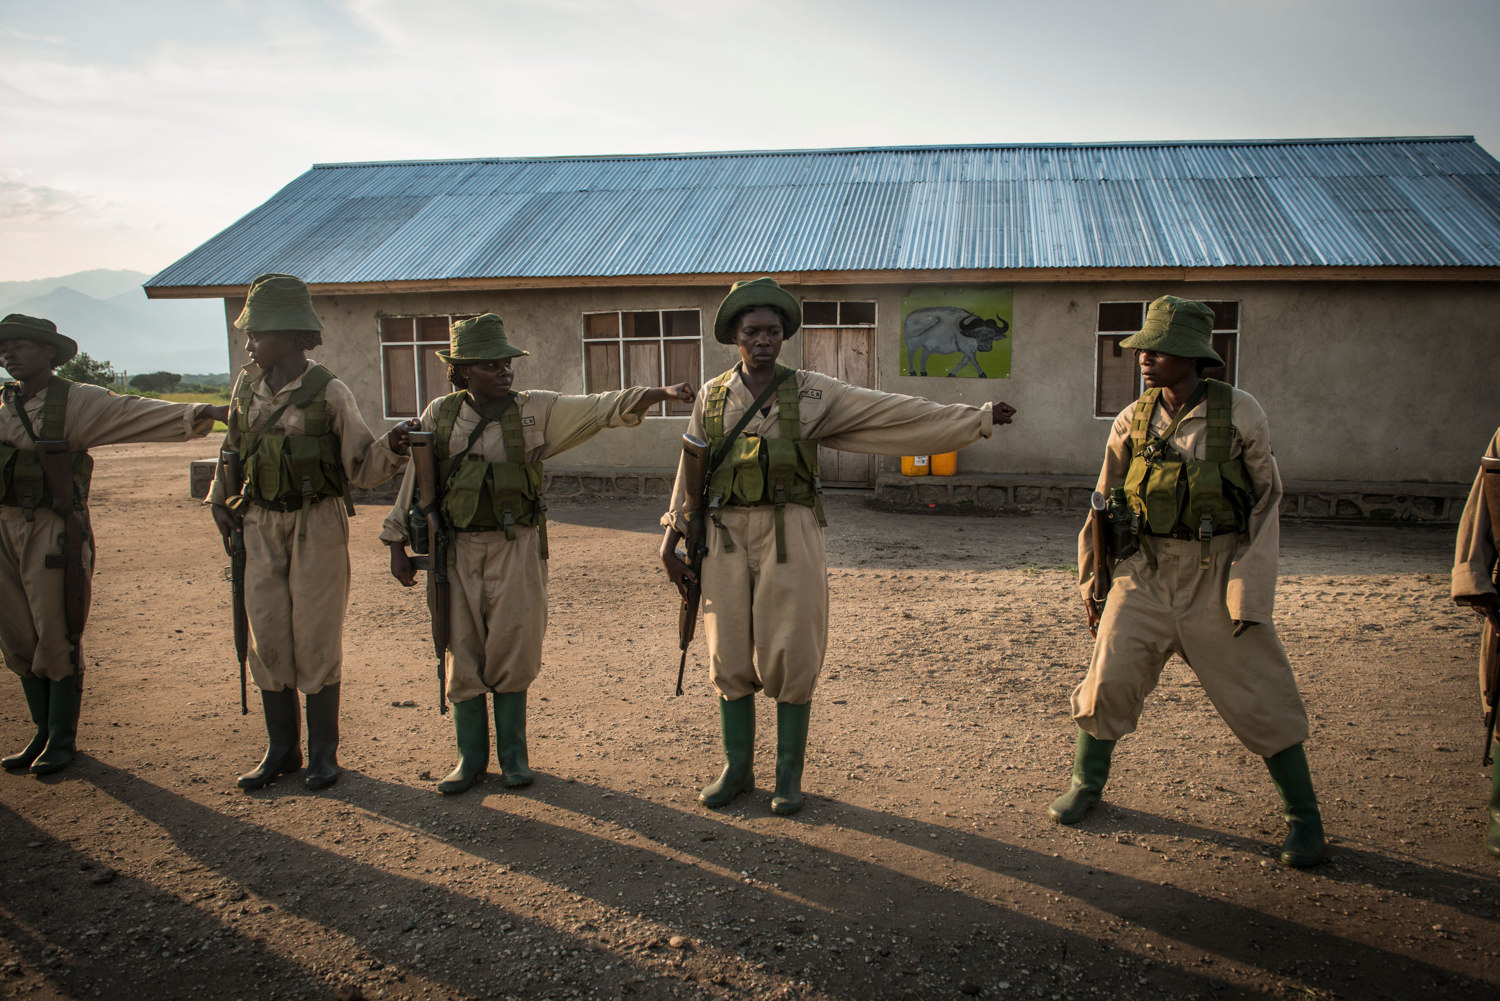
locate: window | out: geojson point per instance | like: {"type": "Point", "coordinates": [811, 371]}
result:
{"type": "Point", "coordinates": [1117, 379]}
{"type": "Point", "coordinates": [823, 313]}
{"type": "Point", "coordinates": [839, 340]}
{"type": "Point", "coordinates": [654, 347]}
{"type": "Point", "coordinates": [410, 372]}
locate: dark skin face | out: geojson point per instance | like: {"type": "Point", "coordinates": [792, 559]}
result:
{"type": "Point", "coordinates": [488, 380]}
{"type": "Point", "coordinates": [276, 355]}
{"type": "Point", "coordinates": [29, 362]}
{"type": "Point", "coordinates": [1176, 376]}
{"type": "Point", "coordinates": [759, 336]}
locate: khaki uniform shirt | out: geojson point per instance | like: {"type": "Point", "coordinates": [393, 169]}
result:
{"type": "Point", "coordinates": [550, 423]}
{"type": "Point", "coordinates": [367, 460]}
{"type": "Point", "coordinates": [848, 418]}
{"type": "Point", "coordinates": [96, 416]}
{"type": "Point", "coordinates": [1474, 555]}
{"type": "Point", "coordinates": [1251, 591]}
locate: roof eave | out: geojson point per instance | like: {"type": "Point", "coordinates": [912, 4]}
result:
{"type": "Point", "coordinates": [885, 277]}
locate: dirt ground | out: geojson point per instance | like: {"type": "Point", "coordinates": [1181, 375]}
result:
{"type": "Point", "coordinates": [924, 865]}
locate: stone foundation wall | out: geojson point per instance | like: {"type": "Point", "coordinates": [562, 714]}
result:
{"type": "Point", "coordinates": [1428, 503]}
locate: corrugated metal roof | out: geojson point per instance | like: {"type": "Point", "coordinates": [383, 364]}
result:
{"type": "Point", "coordinates": [1431, 202]}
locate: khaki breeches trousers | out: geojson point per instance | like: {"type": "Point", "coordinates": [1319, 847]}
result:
{"type": "Point", "coordinates": [33, 623]}
{"type": "Point", "coordinates": [766, 622]}
{"type": "Point", "coordinates": [296, 592]}
{"type": "Point", "coordinates": [1180, 608]}
{"type": "Point", "coordinates": [497, 597]}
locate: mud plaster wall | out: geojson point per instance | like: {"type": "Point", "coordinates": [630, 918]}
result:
{"type": "Point", "coordinates": [1363, 381]}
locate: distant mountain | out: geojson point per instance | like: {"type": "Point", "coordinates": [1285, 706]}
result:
{"type": "Point", "coordinates": [99, 284]}
{"type": "Point", "coordinates": [109, 316]}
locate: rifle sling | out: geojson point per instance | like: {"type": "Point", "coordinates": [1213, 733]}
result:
{"type": "Point", "coordinates": [488, 414]}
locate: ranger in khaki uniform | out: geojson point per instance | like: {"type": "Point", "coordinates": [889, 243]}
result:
{"type": "Point", "coordinates": [765, 575]}
{"type": "Point", "coordinates": [302, 445]}
{"type": "Point", "coordinates": [490, 445]}
{"type": "Point", "coordinates": [1198, 497]}
{"type": "Point", "coordinates": [41, 406]}
{"type": "Point", "coordinates": [1474, 585]}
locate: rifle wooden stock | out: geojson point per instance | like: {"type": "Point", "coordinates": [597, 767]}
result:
{"type": "Point", "coordinates": [1099, 526]}
{"type": "Point", "coordinates": [424, 461]}
{"type": "Point", "coordinates": [695, 480]}
{"type": "Point", "coordinates": [57, 469]}
{"type": "Point", "coordinates": [234, 475]}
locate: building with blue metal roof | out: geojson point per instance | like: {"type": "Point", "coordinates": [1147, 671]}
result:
{"type": "Point", "coordinates": [1345, 271]}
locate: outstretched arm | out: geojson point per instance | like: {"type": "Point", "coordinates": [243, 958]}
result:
{"type": "Point", "coordinates": [683, 392]}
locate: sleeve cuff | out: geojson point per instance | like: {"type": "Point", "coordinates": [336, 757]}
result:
{"type": "Point", "coordinates": [1470, 579]}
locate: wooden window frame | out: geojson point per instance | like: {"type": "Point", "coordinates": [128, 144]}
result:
{"type": "Point", "coordinates": [658, 412]}
{"type": "Point", "coordinates": [417, 346]}
{"type": "Point", "coordinates": [1232, 334]}
{"type": "Point", "coordinates": [873, 304]}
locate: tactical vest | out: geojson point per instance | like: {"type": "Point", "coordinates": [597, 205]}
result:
{"type": "Point", "coordinates": [21, 481]}
{"type": "Point", "coordinates": [1188, 498]}
{"type": "Point", "coordinates": [484, 496]}
{"type": "Point", "coordinates": [755, 471]}
{"type": "Point", "coordinates": [290, 472]}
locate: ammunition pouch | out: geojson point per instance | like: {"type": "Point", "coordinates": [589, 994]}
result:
{"type": "Point", "coordinates": [22, 484]}
{"type": "Point", "coordinates": [484, 496]}
{"type": "Point", "coordinates": [1188, 498]}
{"type": "Point", "coordinates": [292, 472]}
{"type": "Point", "coordinates": [762, 471]}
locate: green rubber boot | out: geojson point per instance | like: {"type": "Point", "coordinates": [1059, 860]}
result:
{"type": "Point", "coordinates": [1090, 772]}
{"type": "Point", "coordinates": [1492, 839]}
{"type": "Point", "coordinates": [471, 724]}
{"type": "Point", "coordinates": [62, 727]}
{"type": "Point", "coordinates": [737, 723]}
{"type": "Point", "coordinates": [35, 690]}
{"type": "Point", "coordinates": [791, 748]}
{"type": "Point", "coordinates": [510, 739]}
{"type": "Point", "coordinates": [284, 739]}
{"type": "Point", "coordinates": [1299, 807]}
{"type": "Point", "coordinates": [323, 737]}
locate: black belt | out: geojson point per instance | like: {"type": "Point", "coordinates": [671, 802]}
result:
{"type": "Point", "coordinates": [1187, 535]}
{"type": "Point", "coordinates": [285, 506]}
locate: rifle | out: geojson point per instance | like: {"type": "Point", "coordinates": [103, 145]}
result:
{"type": "Point", "coordinates": [1489, 650]}
{"type": "Point", "coordinates": [427, 503]}
{"type": "Point", "coordinates": [694, 474]}
{"type": "Point", "coordinates": [57, 470]}
{"type": "Point", "coordinates": [234, 475]}
{"type": "Point", "coordinates": [1099, 532]}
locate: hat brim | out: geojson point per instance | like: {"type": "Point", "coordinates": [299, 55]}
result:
{"type": "Point", "coordinates": [448, 358]}
{"type": "Point", "coordinates": [752, 294]}
{"type": "Point", "coordinates": [67, 348]}
{"type": "Point", "coordinates": [1167, 344]}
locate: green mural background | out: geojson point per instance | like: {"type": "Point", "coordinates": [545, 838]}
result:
{"type": "Point", "coordinates": [988, 302]}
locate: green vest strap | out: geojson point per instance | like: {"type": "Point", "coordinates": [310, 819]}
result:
{"type": "Point", "coordinates": [759, 471]}
{"type": "Point", "coordinates": [291, 471]}
{"type": "Point", "coordinates": [21, 481]}
{"type": "Point", "coordinates": [487, 496]}
{"type": "Point", "coordinates": [1188, 498]}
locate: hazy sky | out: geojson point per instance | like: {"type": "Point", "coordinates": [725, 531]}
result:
{"type": "Point", "coordinates": [135, 131]}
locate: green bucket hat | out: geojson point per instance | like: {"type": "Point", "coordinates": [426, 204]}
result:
{"type": "Point", "coordinates": [1181, 327]}
{"type": "Point", "coordinates": [278, 302]}
{"type": "Point", "coordinates": [33, 328]}
{"type": "Point", "coordinates": [759, 292]}
{"type": "Point", "coordinates": [479, 338]}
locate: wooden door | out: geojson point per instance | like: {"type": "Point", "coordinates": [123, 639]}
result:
{"type": "Point", "coordinates": [846, 353]}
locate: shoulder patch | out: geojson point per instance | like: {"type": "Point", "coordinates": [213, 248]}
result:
{"type": "Point", "coordinates": [810, 394]}
{"type": "Point", "coordinates": [527, 422]}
